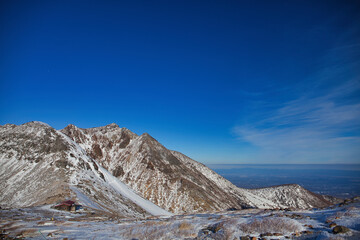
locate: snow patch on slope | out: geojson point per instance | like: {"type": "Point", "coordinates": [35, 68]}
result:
{"type": "Point", "coordinates": [124, 190]}
{"type": "Point", "coordinates": [115, 183]}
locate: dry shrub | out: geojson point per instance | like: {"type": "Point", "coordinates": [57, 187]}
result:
{"type": "Point", "coordinates": [29, 232]}
{"type": "Point", "coordinates": [154, 230]}
{"type": "Point", "coordinates": [184, 229]}
{"type": "Point", "coordinates": [221, 230]}
{"type": "Point", "coordinates": [352, 212]}
{"type": "Point", "coordinates": [15, 228]}
{"type": "Point", "coordinates": [338, 215]}
{"type": "Point", "coordinates": [7, 225]}
{"type": "Point", "coordinates": [185, 226]}
{"type": "Point", "coordinates": [153, 223]}
{"type": "Point", "coordinates": [270, 225]}
{"type": "Point", "coordinates": [42, 223]}
{"type": "Point", "coordinates": [226, 225]}
{"type": "Point", "coordinates": [229, 222]}
{"type": "Point", "coordinates": [336, 238]}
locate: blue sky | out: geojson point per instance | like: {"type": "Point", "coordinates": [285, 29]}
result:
{"type": "Point", "coordinates": [221, 81]}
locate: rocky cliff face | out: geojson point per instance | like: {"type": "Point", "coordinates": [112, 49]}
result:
{"type": "Point", "coordinates": [173, 181]}
{"type": "Point", "coordinates": [39, 165]}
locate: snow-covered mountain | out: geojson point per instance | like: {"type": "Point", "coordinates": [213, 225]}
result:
{"type": "Point", "coordinates": [172, 180]}
{"type": "Point", "coordinates": [292, 195]}
{"type": "Point", "coordinates": [114, 170]}
{"type": "Point", "coordinates": [151, 170]}
{"type": "Point", "coordinates": [40, 165]}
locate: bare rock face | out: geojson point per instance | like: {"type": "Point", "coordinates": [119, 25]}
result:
{"type": "Point", "coordinates": [170, 179]}
{"type": "Point", "coordinates": [101, 143]}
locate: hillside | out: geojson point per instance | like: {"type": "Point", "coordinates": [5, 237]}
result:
{"type": "Point", "coordinates": [172, 180]}
{"type": "Point", "coordinates": [113, 170]}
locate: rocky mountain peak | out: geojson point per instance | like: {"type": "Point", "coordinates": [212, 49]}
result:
{"type": "Point", "coordinates": [147, 138]}
{"type": "Point", "coordinates": [106, 128]}
{"type": "Point", "coordinates": [8, 125]}
{"type": "Point", "coordinates": [71, 126]}
{"type": "Point", "coordinates": [37, 124]}
{"type": "Point", "coordinates": [112, 125]}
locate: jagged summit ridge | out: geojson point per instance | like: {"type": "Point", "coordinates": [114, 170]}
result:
{"type": "Point", "coordinates": [155, 173]}
{"type": "Point", "coordinates": [174, 181]}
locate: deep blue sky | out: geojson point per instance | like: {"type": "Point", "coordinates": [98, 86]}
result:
{"type": "Point", "coordinates": [221, 81]}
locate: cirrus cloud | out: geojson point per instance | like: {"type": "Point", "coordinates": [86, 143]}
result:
{"type": "Point", "coordinates": [321, 125]}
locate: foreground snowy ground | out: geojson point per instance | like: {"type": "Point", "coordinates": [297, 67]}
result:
{"type": "Point", "coordinates": [46, 223]}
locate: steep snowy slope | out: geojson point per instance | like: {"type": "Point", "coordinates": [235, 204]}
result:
{"type": "Point", "coordinates": [168, 178]}
{"type": "Point", "coordinates": [125, 191]}
{"type": "Point", "coordinates": [39, 165]}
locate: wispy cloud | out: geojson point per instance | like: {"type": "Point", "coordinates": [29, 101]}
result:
{"type": "Point", "coordinates": [321, 125]}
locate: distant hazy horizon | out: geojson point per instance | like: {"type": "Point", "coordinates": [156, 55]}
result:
{"type": "Point", "coordinates": [343, 166]}
{"type": "Point", "coordinates": [340, 180]}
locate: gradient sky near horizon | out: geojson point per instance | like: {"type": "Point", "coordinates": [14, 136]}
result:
{"type": "Point", "coordinates": [220, 81]}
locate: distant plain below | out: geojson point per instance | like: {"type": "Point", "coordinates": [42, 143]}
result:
{"type": "Point", "coordinates": [339, 180]}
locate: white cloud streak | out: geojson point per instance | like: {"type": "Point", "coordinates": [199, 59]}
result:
{"type": "Point", "coordinates": [323, 128]}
